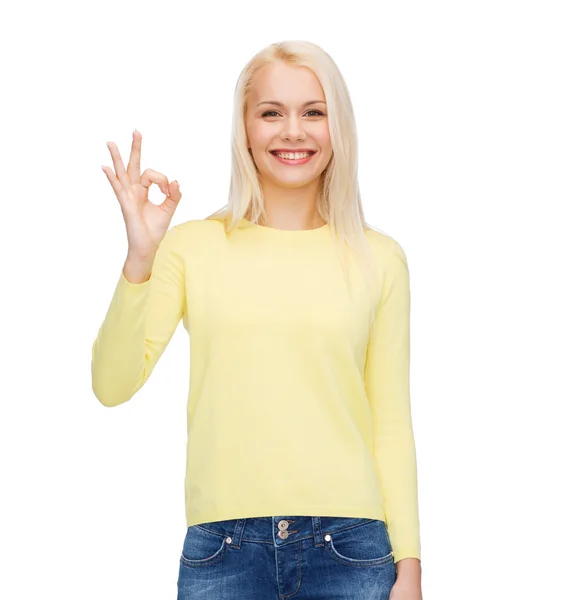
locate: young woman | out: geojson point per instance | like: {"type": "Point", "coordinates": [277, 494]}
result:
{"type": "Point", "coordinates": [301, 474]}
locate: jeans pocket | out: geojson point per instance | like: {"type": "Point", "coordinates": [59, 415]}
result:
{"type": "Point", "coordinates": [202, 547]}
{"type": "Point", "coordinates": [364, 545]}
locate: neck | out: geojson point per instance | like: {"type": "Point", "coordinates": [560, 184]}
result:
{"type": "Point", "coordinates": [291, 208]}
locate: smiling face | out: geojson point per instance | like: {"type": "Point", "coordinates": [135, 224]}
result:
{"type": "Point", "coordinates": [286, 110]}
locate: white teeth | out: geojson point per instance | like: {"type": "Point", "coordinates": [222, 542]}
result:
{"type": "Point", "coordinates": [293, 155]}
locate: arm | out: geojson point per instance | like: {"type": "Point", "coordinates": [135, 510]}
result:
{"type": "Point", "coordinates": [387, 388]}
{"type": "Point", "coordinates": [139, 323]}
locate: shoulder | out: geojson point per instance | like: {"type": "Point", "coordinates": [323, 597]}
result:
{"type": "Point", "coordinates": [385, 248]}
{"type": "Point", "coordinates": [195, 230]}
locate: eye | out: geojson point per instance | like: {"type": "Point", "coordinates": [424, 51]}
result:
{"type": "Point", "coordinates": [271, 112]}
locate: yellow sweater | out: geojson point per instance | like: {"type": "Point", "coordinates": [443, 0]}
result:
{"type": "Point", "coordinates": [295, 406]}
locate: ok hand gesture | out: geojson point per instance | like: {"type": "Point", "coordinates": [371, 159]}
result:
{"type": "Point", "coordinates": [146, 223]}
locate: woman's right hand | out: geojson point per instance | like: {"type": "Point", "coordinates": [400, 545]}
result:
{"type": "Point", "coordinates": [146, 223]}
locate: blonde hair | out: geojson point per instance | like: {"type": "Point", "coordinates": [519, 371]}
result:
{"type": "Point", "coordinates": [339, 202]}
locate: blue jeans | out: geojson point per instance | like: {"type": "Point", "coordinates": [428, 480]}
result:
{"type": "Point", "coordinates": [281, 557]}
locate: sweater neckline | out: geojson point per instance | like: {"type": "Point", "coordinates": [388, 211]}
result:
{"type": "Point", "coordinates": [272, 231]}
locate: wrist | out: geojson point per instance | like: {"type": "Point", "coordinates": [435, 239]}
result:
{"type": "Point", "coordinates": [137, 270]}
{"type": "Point", "coordinates": [409, 568]}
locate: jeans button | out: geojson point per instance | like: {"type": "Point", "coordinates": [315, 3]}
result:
{"type": "Point", "coordinates": [283, 524]}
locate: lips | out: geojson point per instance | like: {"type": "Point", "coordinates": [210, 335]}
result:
{"type": "Point", "coordinates": [294, 161]}
{"type": "Point", "coordinates": [275, 152]}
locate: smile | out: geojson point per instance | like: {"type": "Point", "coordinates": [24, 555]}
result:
{"type": "Point", "coordinates": [293, 158]}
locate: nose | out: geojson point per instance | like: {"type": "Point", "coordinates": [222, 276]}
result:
{"type": "Point", "coordinates": [293, 129]}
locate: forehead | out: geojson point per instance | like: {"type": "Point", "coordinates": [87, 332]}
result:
{"type": "Point", "coordinates": [285, 83]}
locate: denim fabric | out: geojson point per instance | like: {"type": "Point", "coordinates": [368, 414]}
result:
{"type": "Point", "coordinates": [280, 557]}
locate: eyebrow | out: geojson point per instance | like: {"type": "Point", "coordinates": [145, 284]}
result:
{"type": "Point", "coordinates": [281, 104]}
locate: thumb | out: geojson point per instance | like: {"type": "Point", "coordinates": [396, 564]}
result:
{"type": "Point", "coordinates": [174, 196]}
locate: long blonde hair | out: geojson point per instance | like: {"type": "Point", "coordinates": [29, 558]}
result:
{"type": "Point", "coordinates": [339, 202]}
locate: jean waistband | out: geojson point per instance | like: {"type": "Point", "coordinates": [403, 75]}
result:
{"type": "Point", "coordinates": [281, 529]}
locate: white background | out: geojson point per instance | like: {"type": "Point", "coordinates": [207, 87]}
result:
{"type": "Point", "coordinates": [458, 108]}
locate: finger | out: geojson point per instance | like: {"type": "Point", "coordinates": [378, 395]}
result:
{"type": "Point", "coordinates": [174, 192]}
{"type": "Point", "coordinates": [150, 176]}
{"type": "Point", "coordinates": [171, 201]}
{"type": "Point", "coordinates": [133, 168]}
{"type": "Point", "coordinates": [119, 166]}
{"type": "Point", "coordinates": [115, 183]}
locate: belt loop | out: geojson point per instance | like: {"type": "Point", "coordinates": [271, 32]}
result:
{"type": "Point", "coordinates": [237, 535]}
{"type": "Point", "coordinates": [318, 539]}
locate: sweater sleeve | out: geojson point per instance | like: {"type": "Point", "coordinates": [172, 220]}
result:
{"type": "Point", "coordinates": [138, 325]}
{"type": "Point", "coordinates": [387, 388]}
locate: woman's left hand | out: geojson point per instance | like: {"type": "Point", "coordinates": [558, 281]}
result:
{"type": "Point", "coordinates": [405, 590]}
